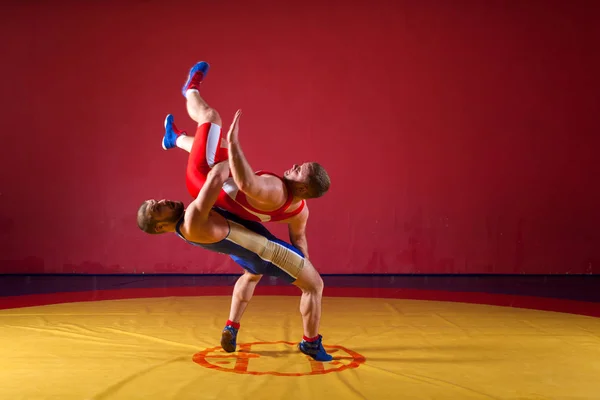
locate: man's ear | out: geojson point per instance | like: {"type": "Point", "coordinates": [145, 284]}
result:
{"type": "Point", "coordinates": [160, 227]}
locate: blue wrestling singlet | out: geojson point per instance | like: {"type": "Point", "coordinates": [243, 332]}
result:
{"type": "Point", "coordinates": [254, 248]}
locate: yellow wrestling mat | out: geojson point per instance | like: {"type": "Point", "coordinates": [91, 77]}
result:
{"type": "Point", "coordinates": [167, 348]}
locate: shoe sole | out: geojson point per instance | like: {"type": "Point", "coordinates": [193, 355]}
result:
{"type": "Point", "coordinates": [226, 338]}
{"type": "Point", "coordinates": [192, 72]}
{"type": "Point", "coordinates": [169, 117]}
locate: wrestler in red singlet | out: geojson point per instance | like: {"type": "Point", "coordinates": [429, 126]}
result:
{"type": "Point", "coordinates": [210, 148]}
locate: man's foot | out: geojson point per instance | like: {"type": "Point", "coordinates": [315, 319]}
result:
{"type": "Point", "coordinates": [314, 349]}
{"type": "Point", "coordinates": [228, 337]}
{"type": "Point", "coordinates": [171, 133]}
{"type": "Point", "coordinates": [196, 76]}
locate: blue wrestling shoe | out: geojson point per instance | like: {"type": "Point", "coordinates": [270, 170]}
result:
{"type": "Point", "coordinates": [314, 350]}
{"type": "Point", "coordinates": [171, 133]}
{"type": "Point", "coordinates": [228, 337]}
{"type": "Point", "coordinates": [196, 76]}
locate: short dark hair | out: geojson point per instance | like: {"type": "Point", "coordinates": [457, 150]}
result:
{"type": "Point", "coordinates": [146, 222]}
{"type": "Point", "coordinates": [318, 181]}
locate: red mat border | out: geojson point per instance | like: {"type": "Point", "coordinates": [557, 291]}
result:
{"type": "Point", "coordinates": [529, 302]}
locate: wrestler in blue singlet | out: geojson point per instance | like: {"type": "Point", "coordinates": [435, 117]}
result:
{"type": "Point", "coordinates": [254, 248]}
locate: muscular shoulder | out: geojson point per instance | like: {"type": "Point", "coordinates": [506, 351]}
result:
{"type": "Point", "coordinates": [202, 230]}
{"type": "Point", "coordinates": [272, 180]}
{"type": "Point", "coordinates": [269, 190]}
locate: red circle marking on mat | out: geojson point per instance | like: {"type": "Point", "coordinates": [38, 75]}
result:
{"type": "Point", "coordinates": [240, 360]}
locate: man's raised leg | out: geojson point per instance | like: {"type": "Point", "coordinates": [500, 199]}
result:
{"type": "Point", "coordinates": [207, 147]}
{"type": "Point", "coordinates": [198, 110]}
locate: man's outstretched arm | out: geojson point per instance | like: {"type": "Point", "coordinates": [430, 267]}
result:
{"type": "Point", "coordinates": [268, 189]}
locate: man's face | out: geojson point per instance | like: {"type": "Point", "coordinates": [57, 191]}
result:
{"type": "Point", "coordinates": [168, 211]}
{"type": "Point", "coordinates": [298, 173]}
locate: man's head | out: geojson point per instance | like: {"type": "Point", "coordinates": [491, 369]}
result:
{"type": "Point", "coordinates": [159, 216]}
{"type": "Point", "coordinates": [308, 181]}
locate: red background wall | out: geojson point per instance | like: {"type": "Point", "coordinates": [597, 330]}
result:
{"type": "Point", "coordinates": [460, 136]}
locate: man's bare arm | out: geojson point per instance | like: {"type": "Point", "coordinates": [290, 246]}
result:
{"type": "Point", "coordinates": [199, 209]}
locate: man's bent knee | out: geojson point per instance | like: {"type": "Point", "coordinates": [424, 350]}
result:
{"type": "Point", "coordinates": [309, 279]}
{"type": "Point", "coordinates": [208, 115]}
{"type": "Point", "coordinates": [319, 285]}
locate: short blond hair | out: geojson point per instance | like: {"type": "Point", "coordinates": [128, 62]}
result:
{"type": "Point", "coordinates": [146, 222]}
{"type": "Point", "coordinates": [318, 181]}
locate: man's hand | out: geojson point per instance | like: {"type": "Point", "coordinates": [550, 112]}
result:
{"type": "Point", "coordinates": [232, 135]}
